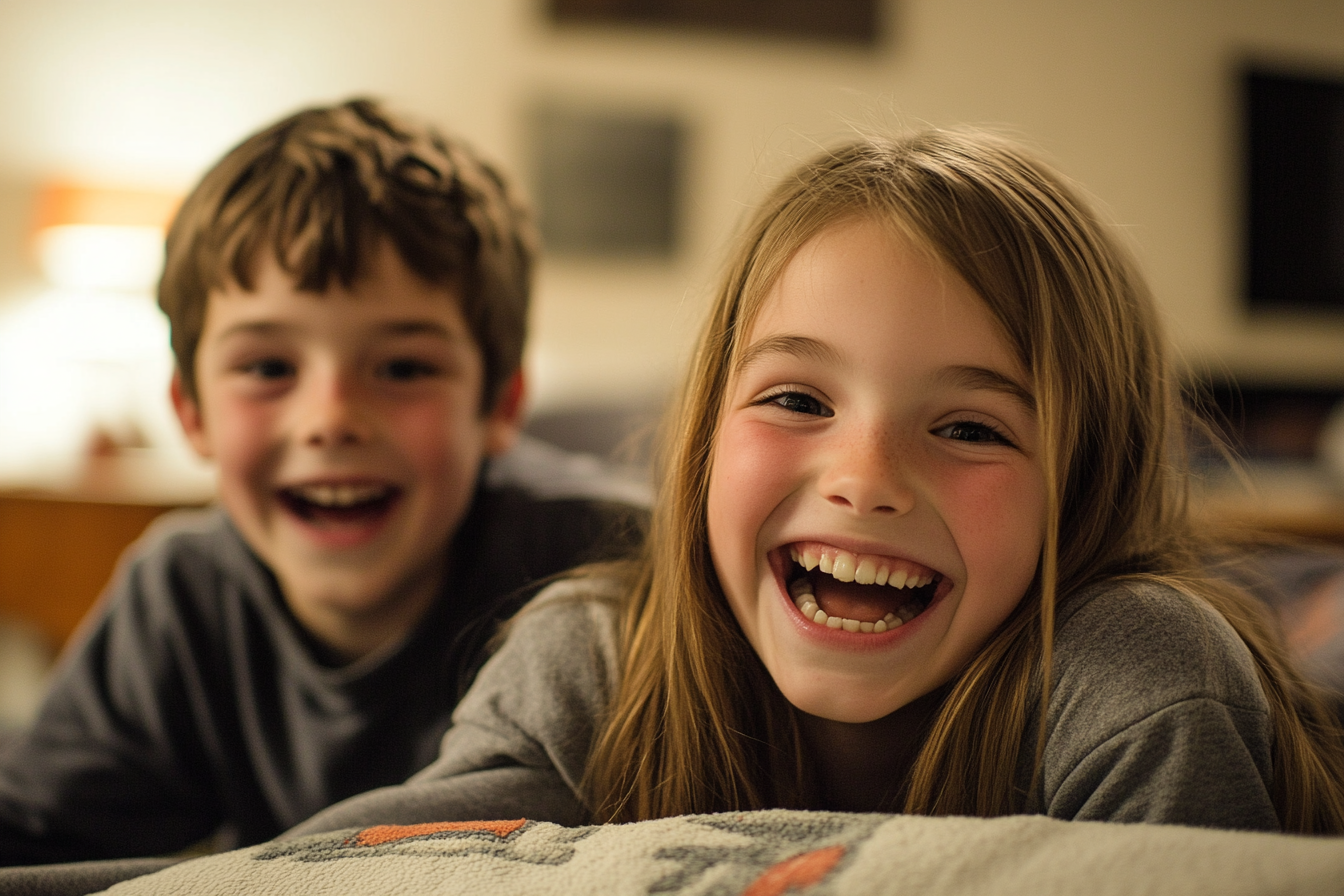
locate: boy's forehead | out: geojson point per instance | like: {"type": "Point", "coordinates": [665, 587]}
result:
{"type": "Point", "coordinates": [377, 271]}
{"type": "Point", "coordinates": [387, 296]}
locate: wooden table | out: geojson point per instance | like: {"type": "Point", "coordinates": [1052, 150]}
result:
{"type": "Point", "coordinates": [56, 555]}
{"type": "Point", "coordinates": [1304, 506]}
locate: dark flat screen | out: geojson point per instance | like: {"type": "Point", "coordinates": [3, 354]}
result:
{"type": "Point", "coordinates": [1295, 192]}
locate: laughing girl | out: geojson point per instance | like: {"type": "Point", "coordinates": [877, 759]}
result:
{"type": "Point", "coordinates": [921, 546]}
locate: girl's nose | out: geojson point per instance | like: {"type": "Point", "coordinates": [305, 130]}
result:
{"type": "Point", "coordinates": [866, 475]}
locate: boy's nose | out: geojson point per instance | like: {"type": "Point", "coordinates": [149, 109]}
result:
{"type": "Point", "coordinates": [331, 416]}
{"type": "Point", "coordinates": [866, 475]}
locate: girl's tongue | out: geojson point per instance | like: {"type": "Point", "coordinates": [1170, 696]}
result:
{"type": "Point", "coordinates": [850, 600]}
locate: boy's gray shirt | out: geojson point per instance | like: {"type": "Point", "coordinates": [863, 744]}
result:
{"type": "Point", "coordinates": [1156, 715]}
{"type": "Point", "coordinates": [193, 700]}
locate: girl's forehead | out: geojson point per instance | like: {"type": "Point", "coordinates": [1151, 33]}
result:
{"type": "Point", "coordinates": [834, 248]}
{"type": "Point", "coordinates": [852, 257]}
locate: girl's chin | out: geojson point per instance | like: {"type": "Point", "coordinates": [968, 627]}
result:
{"type": "Point", "coordinates": [851, 711]}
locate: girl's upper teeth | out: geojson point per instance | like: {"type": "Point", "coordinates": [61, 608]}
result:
{"type": "Point", "coordinates": [846, 567]}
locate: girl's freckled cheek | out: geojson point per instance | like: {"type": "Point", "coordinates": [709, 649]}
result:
{"type": "Point", "coordinates": [991, 509]}
{"type": "Point", "coordinates": [748, 457]}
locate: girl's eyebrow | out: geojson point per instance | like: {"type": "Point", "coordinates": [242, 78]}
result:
{"type": "Point", "coordinates": [963, 376]}
{"type": "Point", "coordinates": [971, 377]}
{"type": "Point", "coordinates": [798, 346]}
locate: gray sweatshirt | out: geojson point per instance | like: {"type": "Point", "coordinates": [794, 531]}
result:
{"type": "Point", "coordinates": [193, 700]}
{"type": "Point", "coordinates": [1156, 715]}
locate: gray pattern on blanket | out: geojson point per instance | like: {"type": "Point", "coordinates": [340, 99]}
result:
{"type": "Point", "coordinates": [513, 841]}
{"type": "Point", "coordinates": [770, 853]}
{"type": "Point", "coordinates": [778, 855]}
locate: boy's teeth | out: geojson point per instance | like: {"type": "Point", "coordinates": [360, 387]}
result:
{"type": "Point", "coordinates": [866, 572]}
{"type": "Point", "coordinates": [339, 495]}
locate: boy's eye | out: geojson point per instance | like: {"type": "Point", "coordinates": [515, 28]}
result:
{"type": "Point", "coordinates": [406, 369]}
{"type": "Point", "coordinates": [798, 403]}
{"type": "Point", "coordinates": [970, 431]}
{"type": "Point", "coordinates": [270, 369]}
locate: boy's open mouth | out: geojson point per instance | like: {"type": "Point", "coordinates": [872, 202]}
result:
{"type": "Point", "coordinates": [858, 592]}
{"type": "Point", "coordinates": [337, 503]}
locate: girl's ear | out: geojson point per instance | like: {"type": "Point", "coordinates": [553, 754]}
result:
{"type": "Point", "coordinates": [189, 415]}
{"type": "Point", "coordinates": [505, 419]}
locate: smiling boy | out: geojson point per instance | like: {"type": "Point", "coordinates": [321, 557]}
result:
{"type": "Point", "coordinates": [348, 295]}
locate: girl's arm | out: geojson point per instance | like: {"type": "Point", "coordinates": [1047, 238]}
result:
{"type": "Point", "coordinates": [1157, 715]}
{"type": "Point", "coordinates": [521, 736]}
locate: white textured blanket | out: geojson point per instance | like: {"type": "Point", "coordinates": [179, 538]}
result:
{"type": "Point", "coordinates": [769, 854]}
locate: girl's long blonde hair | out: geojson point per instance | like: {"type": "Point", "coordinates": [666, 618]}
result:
{"type": "Point", "coordinates": [699, 726]}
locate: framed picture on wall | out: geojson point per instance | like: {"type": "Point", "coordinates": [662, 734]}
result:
{"type": "Point", "coordinates": [852, 21]}
{"type": "Point", "coordinates": [607, 180]}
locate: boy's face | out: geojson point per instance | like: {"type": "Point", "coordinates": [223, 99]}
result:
{"type": "Point", "coordinates": [348, 430]}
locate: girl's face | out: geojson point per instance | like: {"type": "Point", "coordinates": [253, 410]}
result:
{"type": "Point", "coordinates": [876, 503]}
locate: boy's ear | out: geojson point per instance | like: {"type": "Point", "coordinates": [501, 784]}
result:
{"type": "Point", "coordinates": [189, 415]}
{"type": "Point", "coordinates": [505, 420]}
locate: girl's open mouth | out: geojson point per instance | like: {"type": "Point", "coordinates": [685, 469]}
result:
{"type": "Point", "coordinates": [858, 592]}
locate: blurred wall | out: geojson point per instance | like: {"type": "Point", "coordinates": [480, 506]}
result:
{"type": "Point", "coordinates": [1134, 98]}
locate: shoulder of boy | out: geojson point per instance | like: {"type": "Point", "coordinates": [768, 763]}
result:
{"type": "Point", "coordinates": [186, 558]}
{"type": "Point", "coordinates": [552, 473]}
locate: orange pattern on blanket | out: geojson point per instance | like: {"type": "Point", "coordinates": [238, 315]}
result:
{"type": "Point", "coordinates": [390, 833]}
{"type": "Point", "coordinates": [795, 873]}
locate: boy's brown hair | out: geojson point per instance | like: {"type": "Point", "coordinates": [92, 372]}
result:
{"type": "Point", "coordinates": [319, 189]}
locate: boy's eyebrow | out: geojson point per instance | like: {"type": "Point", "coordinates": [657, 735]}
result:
{"type": "Point", "coordinates": [259, 327]}
{"type": "Point", "coordinates": [972, 377]}
{"type": "Point", "coordinates": [418, 328]}
{"type": "Point", "coordinates": [798, 346]}
{"type": "Point", "coordinates": [425, 327]}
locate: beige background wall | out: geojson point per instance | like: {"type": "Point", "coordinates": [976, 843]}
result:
{"type": "Point", "coordinates": [1134, 98]}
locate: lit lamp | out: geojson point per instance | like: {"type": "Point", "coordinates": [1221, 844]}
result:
{"type": "Point", "coordinates": [84, 365]}
{"type": "Point", "coordinates": [99, 238]}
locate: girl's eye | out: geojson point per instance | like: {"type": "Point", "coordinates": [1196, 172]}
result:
{"type": "Point", "coordinates": [798, 403]}
{"type": "Point", "coordinates": [270, 369]}
{"type": "Point", "coordinates": [970, 431]}
{"type": "Point", "coordinates": [403, 369]}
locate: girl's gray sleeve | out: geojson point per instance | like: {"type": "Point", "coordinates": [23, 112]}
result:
{"type": "Point", "coordinates": [1156, 715]}
{"type": "Point", "coordinates": [521, 736]}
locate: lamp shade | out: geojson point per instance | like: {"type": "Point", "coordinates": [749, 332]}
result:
{"type": "Point", "coordinates": [101, 238]}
